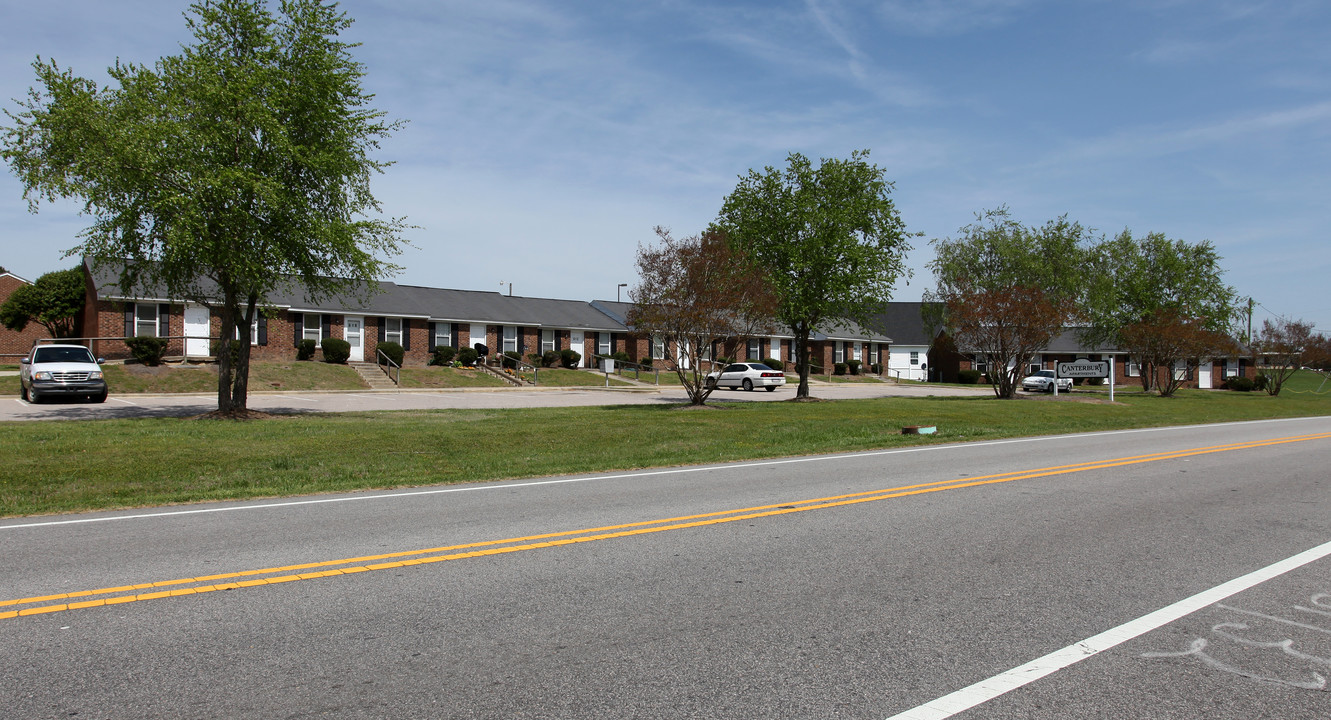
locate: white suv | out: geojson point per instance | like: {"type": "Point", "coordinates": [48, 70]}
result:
{"type": "Point", "coordinates": [53, 370]}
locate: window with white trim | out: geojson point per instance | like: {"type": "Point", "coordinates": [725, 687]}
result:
{"type": "Point", "coordinates": [254, 331]}
{"type": "Point", "coordinates": [1132, 368]}
{"type": "Point", "coordinates": [981, 365]}
{"type": "Point", "coordinates": [839, 352]}
{"type": "Point", "coordinates": [914, 357]}
{"type": "Point", "coordinates": [547, 341]}
{"type": "Point", "coordinates": [443, 334]}
{"type": "Point", "coordinates": [311, 327]}
{"type": "Point", "coordinates": [658, 347]}
{"type": "Point", "coordinates": [754, 349]}
{"type": "Point", "coordinates": [393, 330]}
{"type": "Point", "coordinates": [145, 319]}
{"type": "Point", "coordinates": [510, 338]}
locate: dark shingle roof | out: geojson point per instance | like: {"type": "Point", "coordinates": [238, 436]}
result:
{"type": "Point", "coordinates": [903, 322]}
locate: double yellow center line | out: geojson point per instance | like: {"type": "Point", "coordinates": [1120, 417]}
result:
{"type": "Point", "coordinates": [330, 568]}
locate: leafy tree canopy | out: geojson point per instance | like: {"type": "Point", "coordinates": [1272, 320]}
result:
{"type": "Point", "coordinates": [828, 239]}
{"type": "Point", "coordinates": [53, 302]}
{"type": "Point", "coordinates": [1005, 290]}
{"type": "Point", "coordinates": [223, 172]}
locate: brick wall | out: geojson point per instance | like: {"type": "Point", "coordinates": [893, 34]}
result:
{"type": "Point", "coordinates": [14, 345]}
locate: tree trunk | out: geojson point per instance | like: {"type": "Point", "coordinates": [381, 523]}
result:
{"type": "Point", "coordinates": [802, 360]}
{"type": "Point", "coordinates": [225, 370]}
{"type": "Point", "coordinates": [240, 380]}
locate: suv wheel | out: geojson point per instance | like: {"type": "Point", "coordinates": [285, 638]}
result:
{"type": "Point", "coordinates": [23, 392]}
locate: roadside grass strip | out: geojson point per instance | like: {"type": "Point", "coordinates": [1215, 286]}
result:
{"type": "Point", "coordinates": [366, 563]}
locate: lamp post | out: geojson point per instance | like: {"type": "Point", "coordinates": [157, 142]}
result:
{"type": "Point", "coordinates": [621, 285]}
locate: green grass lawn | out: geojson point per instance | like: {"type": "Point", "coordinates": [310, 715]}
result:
{"type": "Point", "coordinates": [447, 377]}
{"type": "Point", "coordinates": [562, 377]}
{"type": "Point", "coordinates": [82, 465]}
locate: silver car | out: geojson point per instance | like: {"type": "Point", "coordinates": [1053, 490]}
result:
{"type": "Point", "coordinates": [747, 375]}
{"type": "Point", "coordinates": [1043, 381]}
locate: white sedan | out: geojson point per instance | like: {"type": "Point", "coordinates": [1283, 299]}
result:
{"type": "Point", "coordinates": [747, 376]}
{"type": "Point", "coordinates": [1043, 381]}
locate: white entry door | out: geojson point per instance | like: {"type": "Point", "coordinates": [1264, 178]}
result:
{"type": "Point", "coordinates": [198, 328]}
{"type": "Point", "coordinates": [1204, 375]}
{"type": "Point", "coordinates": [354, 329]}
{"type": "Point", "coordinates": [576, 341]}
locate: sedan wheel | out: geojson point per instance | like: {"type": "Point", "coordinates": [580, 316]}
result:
{"type": "Point", "coordinates": [748, 384]}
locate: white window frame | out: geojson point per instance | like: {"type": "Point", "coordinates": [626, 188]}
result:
{"type": "Point", "coordinates": [838, 352]}
{"type": "Point", "coordinates": [754, 349]}
{"type": "Point", "coordinates": [914, 357]}
{"type": "Point", "coordinates": [547, 341]}
{"type": "Point", "coordinates": [254, 331]}
{"type": "Point", "coordinates": [1231, 367]}
{"type": "Point", "coordinates": [391, 335]}
{"type": "Point", "coordinates": [657, 350]}
{"type": "Point", "coordinates": [145, 326]}
{"type": "Point", "coordinates": [980, 364]}
{"type": "Point", "coordinates": [443, 334]}
{"type": "Point", "coordinates": [1132, 368]}
{"type": "Point", "coordinates": [605, 343]}
{"type": "Point", "coordinates": [510, 340]}
{"type": "Point", "coordinates": [311, 330]}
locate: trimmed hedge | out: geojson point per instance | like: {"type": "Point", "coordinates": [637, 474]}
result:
{"type": "Point", "coordinates": [394, 351]}
{"type": "Point", "coordinates": [467, 357]}
{"type": "Point", "coordinates": [773, 363]}
{"type": "Point", "coordinates": [570, 358]}
{"type": "Point", "coordinates": [969, 377]}
{"type": "Point", "coordinates": [854, 366]}
{"type": "Point", "coordinates": [839, 369]}
{"type": "Point", "coordinates": [147, 350]}
{"type": "Point", "coordinates": [443, 355]}
{"type": "Point", "coordinates": [305, 350]}
{"type": "Point", "coordinates": [1241, 384]}
{"type": "Point", "coordinates": [336, 350]}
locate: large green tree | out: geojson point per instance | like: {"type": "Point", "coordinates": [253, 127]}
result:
{"type": "Point", "coordinates": [221, 174]}
{"type": "Point", "coordinates": [1006, 290]}
{"type": "Point", "coordinates": [53, 301]}
{"type": "Point", "coordinates": [1151, 286]}
{"type": "Point", "coordinates": [828, 239]}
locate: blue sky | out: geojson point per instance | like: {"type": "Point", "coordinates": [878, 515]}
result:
{"type": "Point", "coordinates": [546, 139]}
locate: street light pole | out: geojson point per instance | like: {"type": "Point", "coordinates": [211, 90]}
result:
{"type": "Point", "coordinates": [621, 285]}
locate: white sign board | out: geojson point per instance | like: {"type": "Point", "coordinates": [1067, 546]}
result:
{"type": "Point", "coordinates": [1083, 369]}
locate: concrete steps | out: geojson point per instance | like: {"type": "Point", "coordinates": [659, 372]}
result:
{"type": "Point", "coordinates": [373, 375]}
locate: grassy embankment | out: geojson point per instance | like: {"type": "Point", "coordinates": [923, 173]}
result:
{"type": "Point", "coordinates": [76, 465]}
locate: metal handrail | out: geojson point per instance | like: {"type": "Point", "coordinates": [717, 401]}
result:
{"type": "Point", "coordinates": [519, 366]}
{"type": "Point", "coordinates": [637, 368]}
{"type": "Point", "coordinates": [394, 370]}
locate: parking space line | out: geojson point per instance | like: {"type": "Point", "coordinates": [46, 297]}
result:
{"type": "Point", "coordinates": [116, 399]}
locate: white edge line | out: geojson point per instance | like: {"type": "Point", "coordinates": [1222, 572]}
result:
{"type": "Point", "coordinates": [986, 690]}
{"type": "Point", "coordinates": [503, 485]}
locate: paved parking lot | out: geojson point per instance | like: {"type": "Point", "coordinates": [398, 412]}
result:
{"type": "Point", "coordinates": [136, 406]}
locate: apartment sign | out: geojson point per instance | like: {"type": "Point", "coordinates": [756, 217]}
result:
{"type": "Point", "coordinates": [1083, 369]}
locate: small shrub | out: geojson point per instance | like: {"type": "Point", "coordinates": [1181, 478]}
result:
{"type": "Point", "coordinates": [147, 350]}
{"type": "Point", "coordinates": [1241, 384]}
{"type": "Point", "coordinates": [1095, 381]}
{"type": "Point", "coordinates": [443, 355]}
{"type": "Point", "coordinates": [854, 366]}
{"type": "Point", "coordinates": [620, 357]}
{"type": "Point", "coordinates": [550, 358]}
{"type": "Point", "coordinates": [393, 351]}
{"type": "Point", "coordinates": [336, 350]}
{"type": "Point", "coordinates": [969, 377]}
{"type": "Point", "coordinates": [510, 359]}
{"type": "Point", "coordinates": [646, 362]}
{"type": "Point", "coordinates": [467, 357]}
{"type": "Point", "coordinates": [535, 359]}
{"type": "Point", "coordinates": [215, 349]}
{"type": "Point", "coordinates": [570, 358]}
{"type": "Point", "coordinates": [305, 350]}
{"type": "Point", "coordinates": [839, 369]}
{"type": "Point", "coordinates": [773, 363]}
{"type": "Point", "coordinates": [876, 369]}
{"type": "Point", "coordinates": [1261, 382]}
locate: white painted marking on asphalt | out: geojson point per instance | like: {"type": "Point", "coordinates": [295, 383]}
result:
{"type": "Point", "coordinates": [116, 399]}
{"type": "Point", "coordinates": [503, 485]}
{"type": "Point", "coordinates": [986, 690]}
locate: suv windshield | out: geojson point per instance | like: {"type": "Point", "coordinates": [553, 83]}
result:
{"type": "Point", "coordinates": [63, 355]}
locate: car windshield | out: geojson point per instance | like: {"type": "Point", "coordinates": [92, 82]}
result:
{"type": "Point", "coordinates": [63, 355]}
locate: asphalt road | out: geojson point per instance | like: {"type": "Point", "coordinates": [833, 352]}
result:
{"type": "Point", "coordinates": [139, 406]}
{"type": "Point", "coordinates": [847, 586]}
